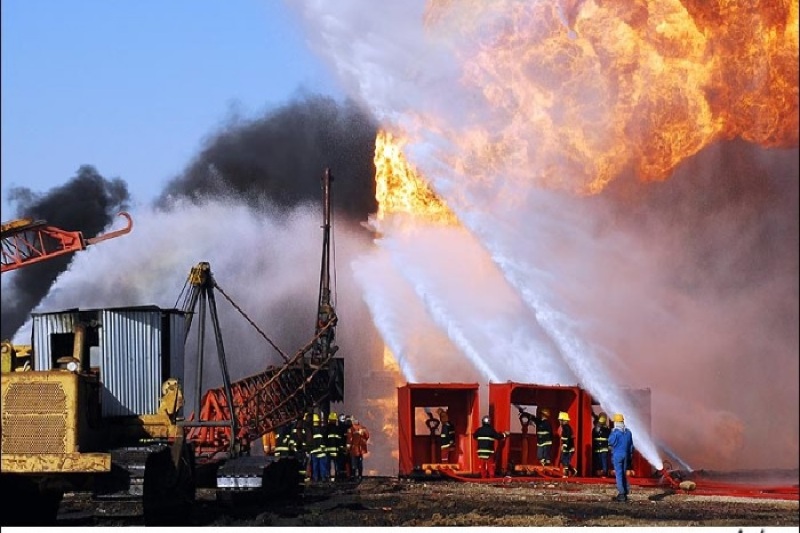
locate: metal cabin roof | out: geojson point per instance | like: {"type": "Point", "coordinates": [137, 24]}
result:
{"type": "Point", "coordinates": [120, 308]}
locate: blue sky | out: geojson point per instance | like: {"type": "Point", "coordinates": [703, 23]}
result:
{"type": "Point", "coordinates": [133, 87]}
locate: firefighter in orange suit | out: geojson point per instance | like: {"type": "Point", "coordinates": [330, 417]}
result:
{"type": "Point", "coordinates": [357, 437]}
{"type": "Point", "coordinates": [268, 442]}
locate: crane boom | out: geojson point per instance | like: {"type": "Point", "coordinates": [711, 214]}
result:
{"type": "Point", "coordinates": [230, 417]}
{"type": "Point", "coordinates": [27, 241]}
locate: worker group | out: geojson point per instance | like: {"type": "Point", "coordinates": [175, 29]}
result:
{"type": "Point", "coordinates": [328, 448]}
{"type": "Point", "coordinates": [611, 447]}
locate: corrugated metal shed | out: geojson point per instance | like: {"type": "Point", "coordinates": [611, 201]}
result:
{"type": "Point", "coordinates": [44, 325]}
{"type": "Point", "coordinates": [130, 368]}
{"type": "Point", "coordinates": [138, 349]}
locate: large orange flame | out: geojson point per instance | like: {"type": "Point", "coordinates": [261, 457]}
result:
{"type": "Point", "coordinates": [581, 91]}
{"type": "Point", "coordinates": [400, 189]}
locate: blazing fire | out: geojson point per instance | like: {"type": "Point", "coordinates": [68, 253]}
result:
{"type": "Point", "coordinates": [399, 188]}
{"type": "Point", "coordinates": [574, 94]}
{"type": "Point", "coordinates": [577, 92]}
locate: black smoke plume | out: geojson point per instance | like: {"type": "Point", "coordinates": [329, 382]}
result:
{"type": "Point", "coordinates": [88, 203]}
{"type": "Point", "coordinates": [278, 158]}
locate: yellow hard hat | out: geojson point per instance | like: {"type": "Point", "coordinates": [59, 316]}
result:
{"type": "Point", "coordinates": [563, 416]}
{"type": "Point", "coordinates": [332, 416]}
{"type": "Point", "coordinates": [315, 418]}
{"type": "Point", "coordinates": [619, 418]}
{"type": "Point", "coordinates": [544, 412]}
{"type": "Point", "coordinates": [602, 418]}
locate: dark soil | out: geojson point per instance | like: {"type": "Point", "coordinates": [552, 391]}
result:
{"type": "Point", "coordinates": [385, 501]}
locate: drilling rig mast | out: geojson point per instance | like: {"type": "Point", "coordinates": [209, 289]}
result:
{"type": "Point", "coordinates": [324, 346]}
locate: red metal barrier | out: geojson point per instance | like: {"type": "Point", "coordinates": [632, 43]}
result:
{"type": "Point", "coordinates": [418, 446]}
{"type": "Point", "coordinates": [503, 399]}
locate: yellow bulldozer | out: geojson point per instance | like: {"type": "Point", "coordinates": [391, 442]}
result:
{"type": "Point", "coordinates": [100, 404]}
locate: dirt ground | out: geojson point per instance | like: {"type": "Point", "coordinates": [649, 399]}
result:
{"type": "Point", "coordinates": [388, 501]}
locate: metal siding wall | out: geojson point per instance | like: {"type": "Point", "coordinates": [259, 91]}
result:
{"type": "Point", "coordinates": [177, 323]}
{"type": "Point", "coordinates": [130, 343]}
{"type": "Point", "coordinates": [43, 327]}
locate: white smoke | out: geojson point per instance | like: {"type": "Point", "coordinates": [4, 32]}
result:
{"type": "Point", "coordinates": [266, 261]}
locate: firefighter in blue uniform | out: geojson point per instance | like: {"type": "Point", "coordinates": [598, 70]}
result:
{"type": "Point", "coordinates": [320, 471]}
{"type": "Point", "coordinates": [621, 443]}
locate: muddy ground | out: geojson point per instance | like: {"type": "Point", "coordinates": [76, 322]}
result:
{"type": "Point", "coordinates": [388, 501]}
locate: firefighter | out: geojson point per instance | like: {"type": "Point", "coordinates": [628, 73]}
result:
{"type": "Point", "coordinates": [320, 470]}
{"type": "Point", "coordinates": [283, 442]}
{"type": "Point", "coordinates": [333, 436]}
{"type": "Point", "coordinates": [342, 470]}
{"type": "Point", "coordinates": [348, 466]}
{"type": "Point", "coordinates": [544, 436]}
{"type": "Point", "coordinates": [447, 437]}
{"type": "Point", "coordinates": [620, 441]}
{"type": "Point", "coordinates": [487, 436]}
{"type": "Point", "coordinates": [299, 444]}
{"type": "Point", "coordinates": [600, 433]}
{"type": "Point", "coordinates": [269, 442]}
{"type": "Point", "coordinates": [567, 444]}
{"type": "Point", "coordinates": [357, 437]}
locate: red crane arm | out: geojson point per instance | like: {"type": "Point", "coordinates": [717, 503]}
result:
{"type": "Point", "coordinates": [263, 402]}
{"type": "Point", "coordinates": [26, 241]}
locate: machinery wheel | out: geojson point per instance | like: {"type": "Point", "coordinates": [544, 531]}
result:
{"type": "Point", "coordinates": [169, 490]}
{"type": "Point", "coordinates": [281, 479]}
{"type": "Point", "coordinates": [25, 504]}
{"type": "Point", "coordinates": [289, 478]}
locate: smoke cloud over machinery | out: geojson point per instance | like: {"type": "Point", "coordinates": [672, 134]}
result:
{"type": "Point", "coordinates": [250, 205]}
{"type": "Point", "coordinates": [266, 171]}
{"type": "Point", "coordinates": [273, 158]}
{"type": "Point", "coordinates": [87, 203]}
